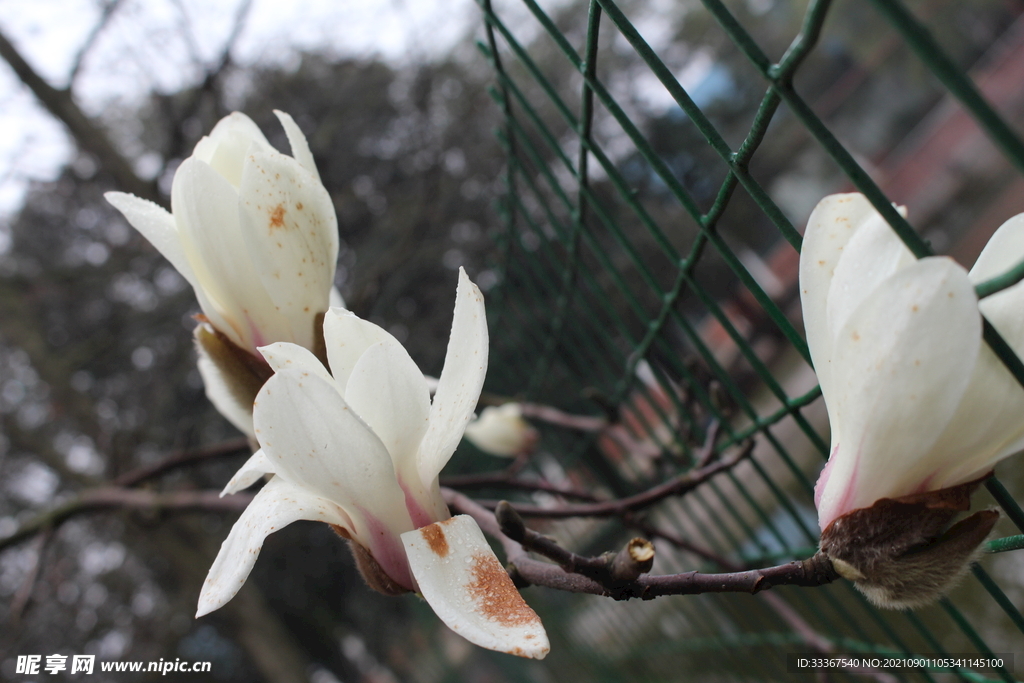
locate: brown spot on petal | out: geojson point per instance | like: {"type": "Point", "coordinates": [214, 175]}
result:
{"type": "Point", "coordinates": [277, 217]}
{"type": "Point", "coordinates": [434, 536]}
{"type": "Point", "coordinates": [496, 596]}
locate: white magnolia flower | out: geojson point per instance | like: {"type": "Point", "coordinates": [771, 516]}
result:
{"type": "Point", "coordinates": [501, 430]}
{"type": "Point", "coordinates": [916, 400]}
{"type": "Point", "coordinates": [255, 234]}
{"type": "Point", "coordinates": [252, 230]}
{"type": "Point", "coordinates": [361, 448]}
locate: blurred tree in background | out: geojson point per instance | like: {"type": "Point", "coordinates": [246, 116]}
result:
{"type": "Point", "coordinates": [97, 370]}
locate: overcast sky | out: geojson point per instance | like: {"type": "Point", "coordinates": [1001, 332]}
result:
{"type": "Point", "coordinates": [166, 45]}
{"type": "Point", "coordinates": [160, 44]}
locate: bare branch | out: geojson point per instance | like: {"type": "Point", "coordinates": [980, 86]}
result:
{"type": "Point", "coordinates": [118, 495]}
{"type": "Point", "coordinates": [583, 423]}
{"type": "Point", "coordinates": [673, 487]}
{"type": "Point", "coordinates": [24, 594]}
{"type": "Point", "coordinates": [183, 458]}
{"type": "Point", "coordinates": [815, 571]}
{"type": "Point", "coordinates": [679, 542]}
{"type": "Point", "coordinates": [108, 11]}
{"type": "Point", "coordinates": [113, 497]}
{"type": "Point", "coordinates": [85, 132]}
{"type": "Point", "coordinates": [502, 480]}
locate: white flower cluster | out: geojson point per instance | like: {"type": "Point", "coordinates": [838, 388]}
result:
{"type": "Point", "coordinates": [356, 442]}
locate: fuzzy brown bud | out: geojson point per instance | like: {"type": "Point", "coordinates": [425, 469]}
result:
{"type": "Point", "coordinates": [243, 373]}
{"type": "Point", "coordinates": [372, 573]}
{"type": "Point", "coordinates": [904, 553]}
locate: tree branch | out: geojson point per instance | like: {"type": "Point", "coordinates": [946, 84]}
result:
{"type": "Point", "coordinates": [108, 11]}
{"type": "Point", "coordinates": [673, 487]}
{"type": "Point", "coordinates": [24, 594]}
{"type": "Point", "coordinates": [503, 480]}
{"type": "Point", "coordinates": [583, 423]}
{"type": "Point", "coordinates": [815, 571]}
{"type": "Point", "coordinates": [181, 459]}
{"type": "Point", "coordinates": [108, 497]}
{"type": "Point", "coordinates": [85, 132]}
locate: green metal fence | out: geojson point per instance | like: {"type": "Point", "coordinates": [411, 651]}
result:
{"type": "Point", "coordinates": [619, 261]}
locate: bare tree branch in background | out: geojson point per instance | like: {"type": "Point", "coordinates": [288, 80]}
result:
{"type": "Point", "coordinates": [108, 11]}
{"type": "Point", "coordinates": [182, 458]}
{"type": "Point", "coordinates": [208, 90]}
{"type": "Point", "coordinates": [89, 136]}
{"type": "Point", "coordinates": [676, 486]}
{"type": "Point", "coordinates": [115, 497]}
{"type": "Point", "coordinates": [594, 575]}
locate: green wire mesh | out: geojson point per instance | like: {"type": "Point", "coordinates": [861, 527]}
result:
{"type": "Point", "coordinates": [622, 287]}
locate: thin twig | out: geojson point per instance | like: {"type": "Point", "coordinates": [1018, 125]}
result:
{"type": "Point", "coordinates": [502, 480]}
{"type": "Point", "coordinates": [181, 459]}
{"type": "Point", "coordinates": [113, 497]}
{"type": "Point", "coordinates": [85, 131]}
{"type": "Point", "coordinates": [24, 594]}
{"type": "Point", "coordinates": [119, 495]}
{"type": "Point", "coordinates": [108, 11]}
{"type": "Point", "coordinates": [814, 571]}
{"type": "Point", "coordinates": [582, 423]}
{"type": "Point", "coordinates": [673, 487]}
{"type": "Point", "coordinates": [678, 541]}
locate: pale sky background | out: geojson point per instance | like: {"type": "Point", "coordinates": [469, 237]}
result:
{"type": "Point", "coordinates": [166, 45]}
{"type": "Point", "coordinates": [156, 44]}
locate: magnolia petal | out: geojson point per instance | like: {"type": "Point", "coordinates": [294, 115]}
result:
{"type": "Point", "coordinates": [221, 396]}
{"type": "Point", "coordinates": [831, 225]}
{"type": "Point", "coordinates": [314, 439]}
{"type": "Point", "coordinates": [334, 299]}
{"type": "Point", "coordinates": [1005, 249]}
{"type": "Point", "coordinates": [157, 225]}
{"type": "Point", "coordinates": [1005, 397]}
{"type": "Point", "coordinates": [286, 356]}
{"type": "Point", "coordinates": [387, 390]}
{"type": "Point", "coordinates": [347, 336]}
{"type": "Point", "coordinates": [467, 587]}
{"type": "Point", "coordinates": [462, 378]}
{"type": "Point", "coordinates": [277, 505]}
{"type": "Point", "coordinates": [986, 428]}
{"type": "Point", "coordinates": [1003, 309]}
{"type": "Point", "coordinates": [871, 255]}
{"type": "Point", "coordinates": [206, 209]}
{"type": "Point", "coordinates": [248, 474]}
{"type": "Point", "coordinates": [228, 144]}
{"type": "Point", "coordinates": [299, 145]}
{"type": "Point", "coordinates": [907, 355]}
{"type": "Point", "coordinates": [291, 233]}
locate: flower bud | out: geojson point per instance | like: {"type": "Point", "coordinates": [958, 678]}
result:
{"type": "Point", "coordinates": [502, 431]}
{"type": "Point", "coordinates": [254, 232]}
{"type": "Point", "coordinates": [903, 552]}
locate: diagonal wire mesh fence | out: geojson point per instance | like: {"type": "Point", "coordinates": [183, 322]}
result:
{"type": "Point", "coordinates": [658, 176]}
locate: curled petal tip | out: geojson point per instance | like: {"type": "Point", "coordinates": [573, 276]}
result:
{"type": "Point", "coordinates": [462, 580]}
